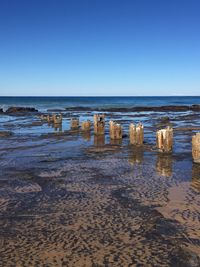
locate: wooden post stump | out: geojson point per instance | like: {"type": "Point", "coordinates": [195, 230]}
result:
{"type": "Point", "coordinates": [132, 133]}
{"type": "Point", "coordinates": [110, 126]}
{"type": "Point", "coordinates": [196, 147]}
{"type": "Point", "coordinates": [86, 125]}
{"type": "Point", "coordinates": [49, 118]}
{"type": "Point", "coordinates": [57, 118]}
{"type": "Point", "coordinates": [74, 123]}
{"type": "Point", "coordinates": [164, 139]}
{"type": "Point", "coordinates": [136, 133]}
{"type": "Point", "coordinates": [99, 124]}
{"type": "Point", "coordinates": [115, 130]}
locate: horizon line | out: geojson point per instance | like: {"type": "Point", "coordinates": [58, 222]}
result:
{"type": "Point", "coordinates": [102, 96]}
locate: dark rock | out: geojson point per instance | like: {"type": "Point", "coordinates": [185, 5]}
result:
{"type": "Point", "coordinates": [36, 123]}
{"type": "Point", "coordinates": [163, 122]}
{"type": "Point", "coordinates": [5, 133]}
{"type": "Point", "coordinates": [1, 110]}
{"type": "Point", "coordinates": [165, 119]}
{"type": "Point", "coordinates": [195, 107]}
{"type": "Point", "coordinates": [13, 110]}
{"type": "Point", "coordinates": [173, 108]}
{"type": "Point", "coordinates": [79, 108]}
{"type": "Point", "coordinates": [184, 257]}
{"type": "Point", "coordinates": [55, 110]}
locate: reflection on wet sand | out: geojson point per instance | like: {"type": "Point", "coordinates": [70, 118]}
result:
{"type": "Point", "coordinates": [115, 141]}
{"type": "Point", "coordinates": [99, 140]}
{"type": "Point", "coordinates": [164, 164]}
{"type": "Point", "coordinates": [86, 135]}
{"type": "Point", "coordinates": [136, 155]}
{"type": "Point", "coordinates": [57, 127]}
{"type": "Point", "coordinates": [195, 182]}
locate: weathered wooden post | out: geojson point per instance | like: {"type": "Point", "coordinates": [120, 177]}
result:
{"type": "Point", "coordinates": [86, 125]}
{"type": "Point", "coordinates": [136, 133]}
{"type": "Point", "coordinates": [49, 118]}
{"type": "Point", "coordinates": [196, 147]}
{"type": "Point", "coordinates": [74, 123]}
{"type": "Point", "coordinates": [110, 126]}
{"type": "Point", "coordinates": [164, 139]}
{"type": "Point", "coordinates": [115, 130]}
{"type": "Point", "coordinates": [99, 124]}
{"type": "Point", "coordinates": [132, 134]}
{"type": "Point", "coordinates": [57, 119]}
{"type": "Point", "coordinates": [139, 134]}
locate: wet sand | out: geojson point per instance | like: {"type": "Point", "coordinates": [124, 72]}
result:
{"type": "Point", "coordinates": [68, 198]}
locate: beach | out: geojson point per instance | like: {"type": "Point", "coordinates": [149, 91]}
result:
{"type": "Point", "coordinates": [70, 198]}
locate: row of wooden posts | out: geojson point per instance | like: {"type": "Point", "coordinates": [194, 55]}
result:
{"type": "Point", "coordinates": [164, 137]}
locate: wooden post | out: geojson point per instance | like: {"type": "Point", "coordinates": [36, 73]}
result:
{"type": "Point", "coordinates": [86, 125]}
{"type": "Point", "coordinates": [50, 118]}
{"type": "Point", "coordinates": [99, 124]}
{"type": "Point", "coordinates": [115, 130]}
{"type": "Point", "coordinates": [57, 119]}
{"type": "Point", "coordinates": [196, 147]}
{"type": "Point", "coordinates": [164, 139]}
{"type": "Point", "coordinates": [74, 123]}
{"type": "Point", "coordinates": [132, 133]}
{"type": "Point", "coordinates": [110, 126]}
{"type": "Point", "coordinates": [136, 133]}
{"type": "Point", "coordinates": [139, 134]}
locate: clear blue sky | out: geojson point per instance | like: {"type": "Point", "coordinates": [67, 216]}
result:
{"type": "Point", "coordinates": [99, 47]}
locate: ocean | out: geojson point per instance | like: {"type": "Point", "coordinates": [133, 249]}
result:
{"type": "Point", "coordinates": [44, 103]}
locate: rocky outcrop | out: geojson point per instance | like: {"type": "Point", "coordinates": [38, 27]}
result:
{"type": "Point", "coordinates": [164, 119]}
{"type": "Point", "coordinates": [172, 108]}
{"type": "Point", "coordinates": [55, 110]}
{"type": "Point", "coordinates": [5, 133]}
{"type": "Point", "coordinates": [20, 110]}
